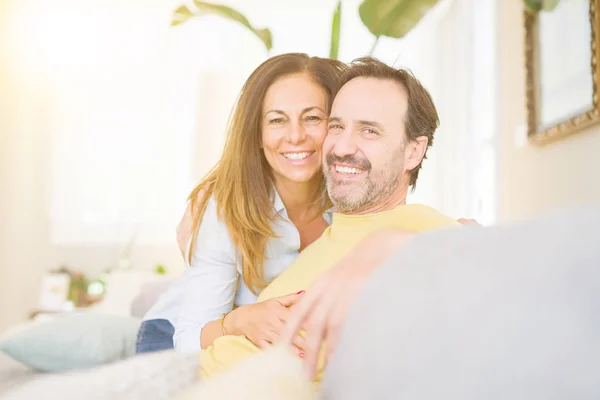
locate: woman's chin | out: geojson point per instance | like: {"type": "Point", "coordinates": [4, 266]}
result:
{"type": "Point", "coordinates": [316, 176]}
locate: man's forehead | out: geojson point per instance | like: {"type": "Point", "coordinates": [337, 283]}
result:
{"type": "Point", "coordinates": [366, 95]}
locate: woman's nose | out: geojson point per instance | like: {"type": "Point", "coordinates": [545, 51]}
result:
{"type": "Point", "coordinates": [296, 133]}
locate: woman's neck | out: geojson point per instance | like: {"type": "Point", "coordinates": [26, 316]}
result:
{"type": "Point", "coordinates": [301, 199]}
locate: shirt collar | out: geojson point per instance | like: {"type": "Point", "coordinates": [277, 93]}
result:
{"type": "Point", "coordinates": [328, 215]}
{"type": "Point", "coordinates": [277, 202]}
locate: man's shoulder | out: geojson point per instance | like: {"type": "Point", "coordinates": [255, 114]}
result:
{"type": "Point", "coordinates": [420, 217]}
{"type": "Point", "coordinates": [423, 209]}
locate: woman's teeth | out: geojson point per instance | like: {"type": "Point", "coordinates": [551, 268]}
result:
{"type": "Point", "coordinates": [347, 170]}
{"type": "Point", "coordinates": [297, 156]}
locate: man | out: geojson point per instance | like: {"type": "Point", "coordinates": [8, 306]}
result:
{"type": "Point", "coordinates": [381, 124]}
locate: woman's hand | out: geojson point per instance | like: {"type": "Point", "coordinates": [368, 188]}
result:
{"type": "Point", "coordinates": [262, 322]}
{"type": "Point", "coordinates": [323, 308]}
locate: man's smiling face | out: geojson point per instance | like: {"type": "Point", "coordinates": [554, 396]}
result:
{"type": "Point", "coordinates": [363, 153]}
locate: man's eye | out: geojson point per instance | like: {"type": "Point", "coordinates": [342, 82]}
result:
{"type": "Point", "coordinates": [371, 132]}
{"type": "Point", "coordinates": [312, 119]}
{"type": "Point", "coordinates": [335, 126]}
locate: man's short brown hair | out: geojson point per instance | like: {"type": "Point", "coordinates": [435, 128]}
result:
{"type": "Point", "coordinates": [421, 115]}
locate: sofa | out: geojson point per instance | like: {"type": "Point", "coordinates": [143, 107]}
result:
{"type": "Point", "coordinates": [480, 313]}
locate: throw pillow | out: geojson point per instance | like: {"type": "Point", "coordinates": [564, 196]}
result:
{"type": "Point", "coordinates": [74, 342]}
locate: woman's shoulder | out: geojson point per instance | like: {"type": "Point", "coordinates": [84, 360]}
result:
{"type": "Point", "coordinates": [187, 224]}
{"type": "Point", "coordinates": [210, 236]}
{"type": "Point", "coordinates": [212, 222]}
{"type": "Point", "coordinates": [213, 230]}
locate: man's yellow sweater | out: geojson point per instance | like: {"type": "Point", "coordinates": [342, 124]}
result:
{"type": "Point", "coordinates": [337, 240]}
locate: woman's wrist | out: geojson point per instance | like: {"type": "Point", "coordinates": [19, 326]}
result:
{"type": "Point", "coordinates": [231, 321]}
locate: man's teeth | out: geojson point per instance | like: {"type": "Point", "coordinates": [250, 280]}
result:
{"type": "Point", "coordinates": [348, 170]}
{"type": "Point", "coordinates": [296, 156]}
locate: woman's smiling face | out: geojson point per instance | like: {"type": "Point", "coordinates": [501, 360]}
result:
{"type": "Point", "coordinates": [294, 126]}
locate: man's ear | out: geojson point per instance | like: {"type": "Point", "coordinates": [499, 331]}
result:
{"type": "Point", "coordinates": [415, 151]}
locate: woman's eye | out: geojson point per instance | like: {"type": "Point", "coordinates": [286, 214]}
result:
{"type": "Point", "coordinates": [371, 132]}
{"type": "Point", "coordinates": [335, 126]}
{"type": "Point", "coordinates": [276, 121]}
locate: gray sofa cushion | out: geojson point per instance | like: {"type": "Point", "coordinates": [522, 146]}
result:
{"type": "Point", "coordinates": [495, 313]}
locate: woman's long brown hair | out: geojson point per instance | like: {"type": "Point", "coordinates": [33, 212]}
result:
{"type": "Point", "coordinates": [241, 182]}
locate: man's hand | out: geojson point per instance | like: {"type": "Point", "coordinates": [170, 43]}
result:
{"type": "Point", "coordinates": [261, 322]}
{"type": "Point", "coordinates": [468, 221]}
{"type": "Point", "coordinates": [322, 311]}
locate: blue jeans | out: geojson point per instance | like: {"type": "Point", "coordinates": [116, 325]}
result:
{"type": "Point", "coordinates": [154, 335]}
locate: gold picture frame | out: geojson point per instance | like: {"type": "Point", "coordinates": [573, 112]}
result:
{"type": "Point", "coordinates": [539, 132]}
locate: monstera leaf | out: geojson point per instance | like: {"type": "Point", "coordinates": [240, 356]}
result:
{"type": "Point", "coordinates": [393, 18]}
{"type": "Point", "coordinates": [541, 5]}
{"type": "Point", "coordinates": [184, 13]}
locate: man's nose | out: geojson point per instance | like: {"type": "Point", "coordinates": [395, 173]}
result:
{"type": "Point", "coordinates": [296, 134]}
{"type": "Point", "coordinates": [344, 144]}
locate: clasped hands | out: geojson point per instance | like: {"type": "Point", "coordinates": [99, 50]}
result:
{"type": "Point", "coordinates": [322, 310]}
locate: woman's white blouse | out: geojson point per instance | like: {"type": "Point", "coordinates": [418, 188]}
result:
{"type": "Point", "coordinates": [213, 283]}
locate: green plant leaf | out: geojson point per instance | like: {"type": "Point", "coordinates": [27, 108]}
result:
{"type": "Point", "coordinates": [393, 18]}
{"type": "Point", "coordinates": [549, 5]}
{"type": "Point", "coordinates": [541, 5]}
{"type": "Point", "coordinates": [180, 15]}
{"type": "Point", "coordinates": [184, 13]}
{"type": "Point", "coordinates": [533, 5]}
{"type": "Point", "coordinates": [335, 32]}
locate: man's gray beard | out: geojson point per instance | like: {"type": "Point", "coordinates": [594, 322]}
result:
{"type": "Point", "coordinates": [375, 192]}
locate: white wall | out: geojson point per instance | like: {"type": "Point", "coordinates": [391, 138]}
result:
{"type": "Point", "coordinates": [536, 180]}
{"type": "Point", "coordinates": [21, 214]}
{"type": "Point", "coordinates": [27, 105]}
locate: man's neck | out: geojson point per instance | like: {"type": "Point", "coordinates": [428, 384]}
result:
{"type": "Point", "coordinates": [300, 199]}
{"type": "Point", "coordinates": [396, 199]}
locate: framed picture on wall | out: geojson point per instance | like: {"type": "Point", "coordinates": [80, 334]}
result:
{"type": "Point", "coordinates": [54, 291]}
{"type": "Point", "coordinates": [562, 69]}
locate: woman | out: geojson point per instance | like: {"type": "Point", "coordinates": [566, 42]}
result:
{"type": "Point", "coordinates": [255, 211]}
